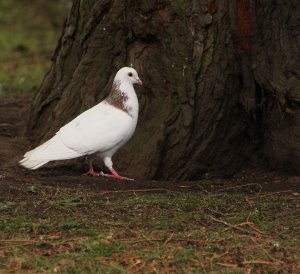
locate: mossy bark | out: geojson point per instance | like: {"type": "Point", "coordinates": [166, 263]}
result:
{"type": "Point", "coordinates": [221, 82]}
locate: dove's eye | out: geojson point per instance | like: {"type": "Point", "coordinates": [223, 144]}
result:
{"type": "Point", "coordinates": [130, 74]}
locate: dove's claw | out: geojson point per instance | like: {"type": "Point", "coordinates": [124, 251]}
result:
{"type": "Point", "coordinates": [91, 172]}
{"type": "Point", "coordinates": [116, 177]}
{"type": "Point", "coordinates": [114, 174]}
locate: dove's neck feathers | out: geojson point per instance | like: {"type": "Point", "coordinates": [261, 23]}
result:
{"type": "Point", "coordinates": [123, 97]}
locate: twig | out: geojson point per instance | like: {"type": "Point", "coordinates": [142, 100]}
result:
{"type": "Point", "coordinates": [261, 262]}
{"type": "Point", "coordinates": [168, 239]}
{"type": "Point", "coordinates": [249, 215]}
{"type": "Point", "coordinates": [20, 243]}
{"type": "Point", "coordinates": [27, 250]}
{"type": "Point", "coordinates": [13, 187]}
{"type": "Point", "coordinates": [254, 228]}
{"type": "Point", "coordinates": [269, 194]}
{"type": "Point", "coordinates": [138, 268]}
{"type": "Point", "coordinates": [46, 209]}
{"type": "Point", "coordinates": [214, 211]}
{"type": "Point", "coordinates": [11, 240]}
{"type": "Point", "coordinates": [250, 203]}
{"type": "Point", "coordinates": [230, 225]}
{"type": "Point", "coordinates": [5, 125]}
{"type": "Point", "coordinates": [136, 190]}
{"type": "Point", "coordinates": [240, 186]}
{"type": "Point", "coordinates": [228, 265]}
{"type": "Point", "coordinates": [17, 245]}
{"type": "Point", "coordinates": [250, 224]}
{"type": "Point", "coordinates": [142, 240]}
{"type": "Point", "coordinates": [203, 189]}
{"type": "Point", "coordinates": [217, 256]}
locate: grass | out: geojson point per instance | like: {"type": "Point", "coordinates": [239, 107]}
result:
{"type": "Point", "coordinates": [29, 31]}
{"type": "Point", "coordinates": [80, 231]}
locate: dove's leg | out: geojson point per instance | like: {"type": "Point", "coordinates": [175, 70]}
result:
{"type": "Point", "coordinates": [91, 171]}
{"type": "Point", "coordinates": [114, 174]}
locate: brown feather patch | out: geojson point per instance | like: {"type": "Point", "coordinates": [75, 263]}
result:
{"type": "Point", "coordinates": [118, 98]}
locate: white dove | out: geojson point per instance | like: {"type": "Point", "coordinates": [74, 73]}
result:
{"type": "Point", "coordinates": [101, 130]}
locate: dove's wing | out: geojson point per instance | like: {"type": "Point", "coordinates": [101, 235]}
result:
{"type": "Point", "coordinates": [100, 128]}
{"type": "Point", "coordinates": [97, 129]}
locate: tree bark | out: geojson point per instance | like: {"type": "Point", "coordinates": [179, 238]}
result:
{"type": "Point", "coordinates": [221, 82]}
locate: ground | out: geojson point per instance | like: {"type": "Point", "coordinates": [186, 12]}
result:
{"type": "Point", "coordinates": [56, 220]}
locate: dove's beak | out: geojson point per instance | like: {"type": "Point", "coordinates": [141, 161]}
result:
{"type": "Point", "coordinates": [138, 81]}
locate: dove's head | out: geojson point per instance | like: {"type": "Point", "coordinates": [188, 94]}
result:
{"type": "Point", "coordinates": [129, 75]}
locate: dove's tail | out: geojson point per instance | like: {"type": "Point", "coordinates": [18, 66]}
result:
{"type": "Point", "coordinates": [52, 150]}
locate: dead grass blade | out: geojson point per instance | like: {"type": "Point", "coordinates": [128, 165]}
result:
{"type": "Point", "coordinates": [269, 194]}
{"type": "Point", "coordinates": [261, 262]}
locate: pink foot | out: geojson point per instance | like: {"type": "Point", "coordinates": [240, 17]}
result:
{"type": "Point", "coordinates": [91, 172]}
{"type": "Point", "coordinates": [114, 174]}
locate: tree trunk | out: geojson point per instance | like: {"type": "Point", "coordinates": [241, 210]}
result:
{"type": "Point", "coordinates": [221, 82]}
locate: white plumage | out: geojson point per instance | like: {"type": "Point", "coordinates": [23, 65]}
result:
{"type": "Point", "coordinates": [101, 130]}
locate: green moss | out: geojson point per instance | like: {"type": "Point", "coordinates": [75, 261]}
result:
{"type": "Point", "coordinates": [29, 32]}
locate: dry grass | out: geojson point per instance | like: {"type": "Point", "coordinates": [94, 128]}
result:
{"type": "Point", "coordinates": [55, 229]}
